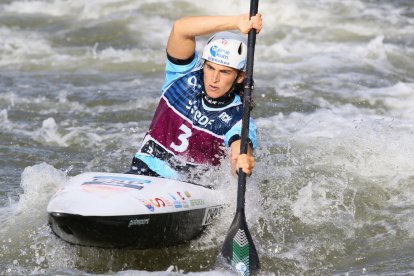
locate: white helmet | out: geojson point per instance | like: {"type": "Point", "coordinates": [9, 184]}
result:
{"type": "Point", "coordinates": [226, 48]}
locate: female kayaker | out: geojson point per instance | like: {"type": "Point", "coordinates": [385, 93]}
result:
{"type": "Point", "coordinates": [200, 111]}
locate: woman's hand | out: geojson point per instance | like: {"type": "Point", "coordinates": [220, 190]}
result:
{"type": "Point", "coordinates": [241, 161]}
{"type": "Point", "coordinates": [245, 162]}
{"type": "Point", "coordinates": [245, 24]}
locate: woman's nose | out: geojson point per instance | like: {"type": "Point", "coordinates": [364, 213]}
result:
{"type": "Point", "coordinates": [215, 76]}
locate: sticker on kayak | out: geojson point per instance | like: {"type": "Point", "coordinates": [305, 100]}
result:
{"type": "Point", "coordinates": [160, 202]}
{"type": "Point", "coordinates": [138, 222]}
{"type": "Point", "coordinates": [211, 213]}
{"type": "Point", "coordinates": [118, 181]}
{"type": "Point", "coordinates": [177, 203]}
{"type": "Point", "coordinates": [148, 205]}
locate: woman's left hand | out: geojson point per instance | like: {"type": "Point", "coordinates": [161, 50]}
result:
{"type": "Point", "coordinates": [246, 163]}
{"type": "Point", "coordinates": [241, 161]}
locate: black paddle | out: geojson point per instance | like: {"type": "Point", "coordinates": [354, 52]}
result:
{"type": "Point", "coordinates": [238, 248]}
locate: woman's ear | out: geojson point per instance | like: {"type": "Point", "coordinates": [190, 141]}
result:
{"type": "Point", "coordinates": [241, 77]}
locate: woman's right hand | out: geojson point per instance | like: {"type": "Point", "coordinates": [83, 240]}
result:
{"type": "Point", "coordinates": [245, 24]}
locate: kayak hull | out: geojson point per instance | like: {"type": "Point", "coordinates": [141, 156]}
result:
{"type": "Point", "coordinates": [90, 212]}
{"type": "Point", "coordinates": [141, 231]}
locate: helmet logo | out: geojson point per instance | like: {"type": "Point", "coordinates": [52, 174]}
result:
{"type": "Point", "coordinates": [220, 53]}
{"type": "Point", "coordinates": [213, 50]}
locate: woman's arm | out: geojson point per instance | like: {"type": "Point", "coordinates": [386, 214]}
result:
{"type": "Point", "coordinates": [181, 43]}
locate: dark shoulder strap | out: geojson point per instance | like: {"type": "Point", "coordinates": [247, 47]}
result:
{"type": "Point", "coordinates": [180, 61]}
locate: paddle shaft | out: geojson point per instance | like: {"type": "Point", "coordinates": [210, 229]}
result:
{"type": "Point", "coordinates": [247, 93]}
{"type": "Point", "coordinates": [238, 246]}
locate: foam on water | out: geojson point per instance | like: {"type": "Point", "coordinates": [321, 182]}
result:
{"type": "Point", "coordinates": [25, 237]}
{"type": "Point", "coordinates": [86, 10]}
{"type": "Point", "coordinates": [29, 244]}
{"type": "Point", "coordinates": [347, 195]}
{"type": "Point", "coordinates": [16, 46]}
{"type": "Point", "coordinates": [40, 50]}
{"type": "Point", "coordinates": [398, 100]}
{"type": "Point", "coordinates": [370, 140]}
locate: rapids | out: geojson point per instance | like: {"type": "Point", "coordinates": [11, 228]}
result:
{"type": "Point", "coordinates": [333, 188]}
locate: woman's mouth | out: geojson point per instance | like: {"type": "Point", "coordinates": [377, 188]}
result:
{"type": "Point", "coordinates": [213, 88]}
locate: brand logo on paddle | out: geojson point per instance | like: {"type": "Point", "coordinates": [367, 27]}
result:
{"type": "Point", "coordinates": [241, 267]}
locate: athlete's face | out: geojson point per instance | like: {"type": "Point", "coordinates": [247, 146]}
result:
{"type": "Point", "coordinates": [218, 79]}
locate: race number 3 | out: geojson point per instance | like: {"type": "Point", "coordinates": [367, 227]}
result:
{"type": "Point", "coordinates": [183, 137]}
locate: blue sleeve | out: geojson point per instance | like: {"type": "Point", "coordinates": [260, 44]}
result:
{"type": "Point", "coordinates": [236, 130]}
{"type": "Point", "coordinates": [174, 71]}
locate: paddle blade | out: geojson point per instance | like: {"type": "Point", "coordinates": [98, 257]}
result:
{"type": "Point", "coordinates": [238, 248]}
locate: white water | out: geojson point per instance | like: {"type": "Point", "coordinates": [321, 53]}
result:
{"type": "Point", "coordinates": [332, 191]}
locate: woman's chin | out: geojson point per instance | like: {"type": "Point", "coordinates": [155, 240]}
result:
{"type": "Point", "coordinates": [214, 95]}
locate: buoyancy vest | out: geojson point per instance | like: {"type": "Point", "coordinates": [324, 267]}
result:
{"type": "Point", "coordinates": [185, 132]}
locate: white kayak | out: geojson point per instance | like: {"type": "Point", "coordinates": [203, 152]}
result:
{"type": "Point", "coordinates": [126, 210]}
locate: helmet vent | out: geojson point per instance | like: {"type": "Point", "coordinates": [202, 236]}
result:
{"type": "Point", "coordinates": [240, 48]}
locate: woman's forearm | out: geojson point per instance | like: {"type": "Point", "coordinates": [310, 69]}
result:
{"type": "Point", "coordinates": [181, 43]}
{"type": "Point", "coordinates": [193, 26]}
